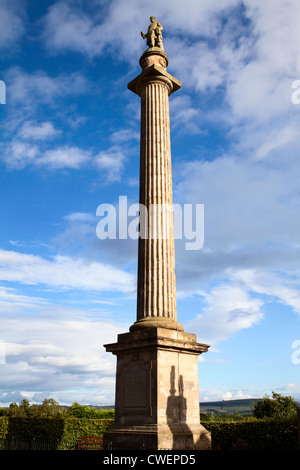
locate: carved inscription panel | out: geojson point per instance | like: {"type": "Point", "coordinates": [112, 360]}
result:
{"type": "Point", "coordinates": [135, 386]}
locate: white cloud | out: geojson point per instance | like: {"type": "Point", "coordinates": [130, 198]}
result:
{"type": "Point", "coordinates": [238, 302]}
{"type": "Point", "coordinates": [278, 33]}
{"type": "Point", "coordinates": [63, 272]}
{"type": "Point", "coordinates": [42, 131]}
{"type": "Point", "coordinates": [256, 202]}
{"type": "Point", "coordinates": [30, 89]}
{"type": "Point", "coordinates": [258, 84]}
{"type": "Point", "coordinates": [197, 66]}
{"type": "Point", "coordinates": [259, 92]}
{"type": "Point", "coordinates": [185, 117]}
{"type": "Point", "coordinates": [18, 154]}
{"type": "Point", "coordinates": [111, 162]}
{"type": "Point", "coordinates": [229, 309]}
{"type": "Point", "coordinates": [282, 286]}
{"type": "Point", "coordinates": [251, 238]}
{"type": "Point", "coordinates": [68, 28]}
{"type": "Point", "coordinates": [223, 394]}
{"type": "Point", "coordinates": [11, 23]}
{"type": "Point", "coordinates": [124, 135]}
{"type": "Point", "coordinates": [12, 302]}
{"type": "Point", "coordinates": [248, 68]}
{"type": "Point", "coordinates": [64, 157]}
{"type": "Point", "coordinates": [75, 217]}
{"type": "Point", "coordinates": [276, 140]}
{"type": "Point", "coordinates": [251, 205]}
{"type": "Point", "coordinates": [55, 350]}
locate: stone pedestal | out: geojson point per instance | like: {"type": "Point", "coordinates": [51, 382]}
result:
{"type": "Point", "coordinates": [157, 394]}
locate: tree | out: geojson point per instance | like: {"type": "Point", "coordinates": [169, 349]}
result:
{"type": "Point", "coordinates": [80, 411]}
{"type": "Point", "coordinates": [49, 409]}
{"type": "Point", "coordinates": [276, 407]}
{"type": "Point", "coordinates": [83, 411]}
{"type": "Point", "coordinates": [19, 410]}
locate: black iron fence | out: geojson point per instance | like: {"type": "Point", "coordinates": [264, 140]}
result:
{"type": "Point", "coordinates": [27, 444]}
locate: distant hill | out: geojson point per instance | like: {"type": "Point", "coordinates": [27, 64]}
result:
{"type": "Point", "coordinates": [103, 407]}
{"type": "Point", "coordinates": [244, 406]}
{"type": "Point", "coordinates": [96, 407]}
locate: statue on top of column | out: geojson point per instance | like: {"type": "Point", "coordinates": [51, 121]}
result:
{"type": "Point", "coordinates": [154, 36]}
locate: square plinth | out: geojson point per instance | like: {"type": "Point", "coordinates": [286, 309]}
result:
{"type": "Point", "coordinates": [157, 392]}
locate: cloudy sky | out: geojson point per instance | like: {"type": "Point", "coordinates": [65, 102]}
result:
{"type": "Point", "coordinates": [70, 142]}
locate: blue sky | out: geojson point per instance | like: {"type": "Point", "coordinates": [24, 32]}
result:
{"type": "Point", "coordinates": [70, 142]}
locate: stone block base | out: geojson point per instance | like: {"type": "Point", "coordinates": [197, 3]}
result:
{"type": "Point", "coordinates": [157, 394]}
{"type": "Point", "coordinates": [153, 437]}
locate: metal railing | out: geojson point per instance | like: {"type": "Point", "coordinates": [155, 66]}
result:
{"type": "Point", "coordinates": [27, 444]}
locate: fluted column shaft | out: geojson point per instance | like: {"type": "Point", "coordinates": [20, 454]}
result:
{"type": "Point", "coordinates": [156, 295]}
{"type": "Point", "coordinates": [156, 284]}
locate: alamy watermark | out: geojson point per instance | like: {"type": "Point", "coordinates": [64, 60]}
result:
{"type": "Point", "coordinates": [296, 353]}
{"type": "Point", "coordinates": [154, 222]}
{"type": "Point", "coordinates": [2, 353]}
{"type": "Point", "coordinates": [295, 97]}
{"type": "Point", "coordinates": [2, 92]}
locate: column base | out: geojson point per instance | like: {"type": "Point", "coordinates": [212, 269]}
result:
{"type": "Point", "coordinates": [156, 322]}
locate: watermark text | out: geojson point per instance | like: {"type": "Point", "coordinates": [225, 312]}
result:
{"type": "Point", "coordinates": [296, 94]}
{"type": "Point", "coordinates": [153, 222]}
{"type": "Point", "coordinates": [2, 353]}
{"type": "Point", "coordinates": [296, 353]}
{"type": "Point", "coordinates": [2, 92]}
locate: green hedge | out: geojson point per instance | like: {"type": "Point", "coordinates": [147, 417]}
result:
{"type": "Point", "coordinates": [263, 434]}
{"type": "Point", "coordinates": [241, 435]}
{"type": "Point", "coordinates": [75, 428]}
{"type": "Point", "coordinates": [65, 432]}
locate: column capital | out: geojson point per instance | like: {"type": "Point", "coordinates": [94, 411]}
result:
{"type": "Point", "coordinates": [155, 73]}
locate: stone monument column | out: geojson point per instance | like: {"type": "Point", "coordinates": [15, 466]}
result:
{"type": "Point", "coordinates": [156, 294]}
{"type": "Point", "coordinates": [157, 390]}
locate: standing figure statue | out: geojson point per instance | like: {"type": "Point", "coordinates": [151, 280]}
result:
{"type": "Point", "coordinates": [154, 36]}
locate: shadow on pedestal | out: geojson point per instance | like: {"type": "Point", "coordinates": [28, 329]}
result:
{"type": "Point", "coordinates": [184, 436]}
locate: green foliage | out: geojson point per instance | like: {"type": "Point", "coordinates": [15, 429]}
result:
{"type": "Point", "coordinates": [251, 433]}
{"type": "Point", "coordinates": [48, 422]}
{"type": "Point", "coordinates": [4, 423]}
{"type": "Point", "coordinates": [224, 417]}
{"type": "Point", "coordinates": [65, 428]}
{"type": "Point", "coordinates": [276, 407]}
{"type": "Point", "coordinates": [254, 434]}
{"type": "Point", "coordinates": [82, 411]}
{"type": "Point", "coordinates": [64, 431]}
{"type": "Point", "coordinates": [273, 425]}
{"type": "Point", "coordinates": [49, 409]}
{"type": "Point", "coordinates": [75, 428]}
